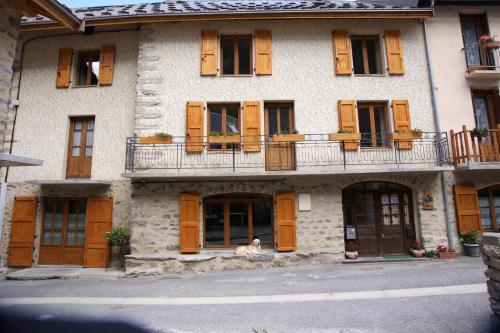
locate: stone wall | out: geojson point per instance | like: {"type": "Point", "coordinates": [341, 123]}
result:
{"type": "Point", "coordinates": [9, 32]}
{"type": "Point", "coordinates": [490, 248]}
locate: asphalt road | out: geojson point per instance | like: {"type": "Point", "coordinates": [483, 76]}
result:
{"type": "Point", "coordinates": [435, 296]}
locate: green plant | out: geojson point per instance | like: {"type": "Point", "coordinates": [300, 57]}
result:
{"type": "Point", "coordinates": [417, 131]}
{"type": "Point", "coordinates": [119, 236]}
{"type": "Point", "coordinates": [342, 131]}
{"type": "Point", "coordinates": [430, 254]}
{"type": "Point", "coordinates": [351, 247]}
{"type": "Point", "coordinates": [164, 135]}
{"type": "Point", "coordinates": [471, 237]}
{"type": "Point", "coordinates": [295, 131]}
{"type": "Point", "coordinates": [480, 131]}
{"type": "Point", "coordinates": [216, 133]}
{"type": "Point", "coordinates": [417, 246]}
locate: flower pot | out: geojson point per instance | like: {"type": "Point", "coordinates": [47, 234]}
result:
{"type": "Point", "coordinates": [417, 253]}
{"type": "Point", "coordinates": [150, 140]}
{"type": "Point", "coordinates": [472, 250]}
{"type": "Point", "coordinates": [224, 139]}
{"type": "Point", "coordinates": [351, 255]}
{"type": "Point", "coordinates": [447, 255]}
{"type": "Point", "coordinates": [117, 256]}
{"type": "Point", "coordinates": [490, 44]}
{"type": "Point", "coordinates": [344, 136]}
{"type": "Point", "coordinates": [403, 136]}
{"type": "Point", "coordinates": [289, 137]}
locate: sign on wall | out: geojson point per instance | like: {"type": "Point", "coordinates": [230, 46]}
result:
{"type": "Point", "coordinates": [428, 199]}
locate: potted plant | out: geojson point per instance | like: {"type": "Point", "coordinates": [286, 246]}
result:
{"type": "Point", "coordinates": [221, 137]}
{"type": "Point", "coordinates": [119, 241]}
{"type": "Point", "coordinates": [471, 244]}
{"type": "Point", "coordinates": [417, 250]}
{"type": "Point", "coordinates": [344, 136]}
{"type": "Point", "coordinates": [488, 41]}
{"type": "Point", "coordinates": [480, 132]}
{"type": "Point", "coordinates": [444, 253]}
{"type": "Point", "coordinates": [158, 138]}
{"type": "Point", "coordinates": [284, 136]}
{"type": "Point", "coordinates": [351, 251]}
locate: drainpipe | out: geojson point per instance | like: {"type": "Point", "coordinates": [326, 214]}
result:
{"type": "Point", "coordinates": [437, 128]}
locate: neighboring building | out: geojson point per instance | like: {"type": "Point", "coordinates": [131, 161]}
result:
{"type": "Point", "coordinates": [467, 78]}
{"type": "Point", "coordinates": [225, 79]}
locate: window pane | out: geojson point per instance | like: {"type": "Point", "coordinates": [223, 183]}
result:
{"type": "Point", "coordinates": [273, 120]}
{"type": "Point", "coordinates": [262, 219]}
{"type": "Point", "coordinates": [244, 56]}
{"type": "Point", "coordinates": [78, 125]}
{"type": "Point", "coordinates": [485, 209]}
{"type": "Point", "coordinates": [88, 151]}
{"type": "Point", "coordinates": [90, 138]}
{"type": "Point", "coordinates": [481, 111]}
{"type": "Point", "coordinates": [238, 221]}
{"type": "Point", "coordinates": [365, 127]}
{"type": "Point", "coordinates": [285, 120]}
{"type": "Point", "coordinates": [82, 69]}
{"type": "Point", "coordinates": [77, 138]}
{"type": "Point", "coordinates": [227, 46]}
{"type": "Point", "coordinates": [75, 151]}
{"type": "Point", "coordinates": [214, 224]}
{"type": "Point", "coordinates": [95, 68]}
{"type": "Point", "coordinates": [232, 120]}
{"type": "Point", "coordinates": [373, 56]}
{"type": "Point", "coordinates": [90, 125]}
{"type": "Point", "coordinates": [380, 125]}
{"type": "Point", "coordinates": [216, 120]}
{"type": "Point", "coordinates": [471, 45]}
{"type": "Point", "coordinates": [357, 56]}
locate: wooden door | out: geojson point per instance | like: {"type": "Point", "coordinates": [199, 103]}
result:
{"type": "Point", "coordinates": [390, 223]}
{"type": "Point", "coordinates": [467, 209]}
{"type": "Point", "coordinates": [280, 156]}
{"type": "Point", "coordinates": [22, 232]}
{"type": "Point", "coordinates": [279, 119]}
{"type": "Point", "coordinates": [189, 223]}
{"type": "Point", "coordinates": [99, 222]}
{"type": "Point", "coordinates": [80, 147]}
{"type": "Point", "coordinates": [286, 230]}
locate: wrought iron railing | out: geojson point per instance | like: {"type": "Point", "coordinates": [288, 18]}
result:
{"type": "Point", "coordinates": [481, 58]}
{"type": "Point", "coordinates": [475, 146]}
{"type": "Point", "coordinates": [315, 152]}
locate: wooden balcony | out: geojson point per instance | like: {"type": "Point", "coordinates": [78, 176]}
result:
{"type": "Point", "coordinates": [471, 150]}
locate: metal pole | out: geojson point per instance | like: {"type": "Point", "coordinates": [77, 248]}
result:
{"type": "Point", "coordinates": [3, 198]}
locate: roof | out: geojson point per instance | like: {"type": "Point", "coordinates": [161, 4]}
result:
{"type": "Point", "coordinates": [51, 10]}
{"type": "Point", "coordinates": [177, 10]}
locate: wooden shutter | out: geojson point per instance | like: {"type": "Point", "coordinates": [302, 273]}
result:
{"type": "Point", "coordinates": [64, 68]}
{"type": "Point", "coordinates": [394, 50]}
{"type": "Point", "coordinates": [263, 53]}
{"type": "Point", "coordinates": [209, 53]}
{"type": "Point", "coordinates": [189, 223]}
{"type": "Point", "coordinates": [106, 65]}
{"type": "Point", "coordinates": [22, 232]}
{"type": "Point", "coordinates": [467, 209]}
{"type": "Point", "coordinates": [99, 222]}
{"type": "Point", "coordinates": [251, 126]}
{"type": "Point", "coordinates": [348, 121]}
{"type": "Point", "coordinates": [342, 53]}
{"type": "Point", "coordinates": [402, 123]}
{"type": "Point", "coordinates": [286, 230]}
{"type": "Point", "coordinates": [194, 127]}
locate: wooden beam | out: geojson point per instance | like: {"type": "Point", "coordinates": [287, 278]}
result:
{"type": "Point", "coordinates": [48, 9]}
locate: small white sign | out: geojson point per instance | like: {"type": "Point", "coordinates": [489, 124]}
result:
{"type": "Point", "coordinates": [350, 233]}
{"type": "Point", "coordinates": [304, 202]}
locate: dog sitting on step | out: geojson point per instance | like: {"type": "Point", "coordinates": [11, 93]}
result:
{"type": "Point", "coordinates": [253, 248]}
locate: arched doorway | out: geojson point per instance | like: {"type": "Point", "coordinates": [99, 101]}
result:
{"type": "Point", "coordinates": [378, 217]}
{"type": "Point", "coordinates": [489, 206]}
{"type": "Point", "coordinates": [235, 219]}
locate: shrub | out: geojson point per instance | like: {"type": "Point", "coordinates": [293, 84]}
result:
{"type": "Point", "coordinates": [471, 237]}
{"type": "Point", "coordinates": [119, 236]}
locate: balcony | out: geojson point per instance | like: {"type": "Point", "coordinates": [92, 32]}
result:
{"type": "Point", "coordinates": [315, 155]}
{"type": "Point", "coordinates": [482, 63]}
{"type": "Point", "coordinates": [472, 150]}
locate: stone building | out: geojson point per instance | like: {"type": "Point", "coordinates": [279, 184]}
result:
{"type": "Point", "coordinates": [203, 125]}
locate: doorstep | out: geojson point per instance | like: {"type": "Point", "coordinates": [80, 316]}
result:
{"type": "Point", "coordinates": [47, 272]}
{"type": "Point", "coordinates": [364, 260]}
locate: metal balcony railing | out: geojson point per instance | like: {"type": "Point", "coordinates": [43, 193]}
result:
{"type": "Point", "coordinates": [315, 152]}
{"type": "Point", "coordinates": [481, 58]}
{"type": "Point", "coordinates": [472, 146]}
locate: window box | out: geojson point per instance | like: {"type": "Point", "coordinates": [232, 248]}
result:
{"type": "Point", "coordinates": [344, 136]}
{"type": "Point", "coordinates": [490, 44]}
{"type": "Point", "coordinates": [157, 139]}
{"type": "Point", "coordinates": [447, 255]}
{"type": "Point", "coordinates": [405, 136]}
{"type": "Point", "coordinates": [289, 137]}
{"type": "Point", "coordinates": [224, 139]}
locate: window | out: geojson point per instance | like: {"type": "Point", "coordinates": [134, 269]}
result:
{"type": "Point", "coordinates": [234, 220]}
{"type": "Point", "coordinates": [223, 119]}
{"type": "Point", "coordinates": [473, 26]}
{"type": "Point", "coordinates": [279, 118]}
{"type": "Point", "coordinates": [366, 55]}
{"type": "Point", "coordinates": [484, 112]}
{"type": "Point", "coordinates": [489, 205]}
{"type": "Point", "coordinates": [88, 68]}
{"type": "Point", "coordinates": [236, 55]}
{"type": "Point", "coordinates": [373, 126]}
{"type": "Point", "coordinates": [81, 147]}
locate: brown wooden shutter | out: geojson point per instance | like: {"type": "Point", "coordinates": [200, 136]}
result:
{"type": "Point", "coordinates": [189, 223]}
{"type": "Point", "coordinates": [194, 127]}
{"type": "Point", "coordinates": [348, 121]}
{"type": "Point", "coordinates": [402, 123]}
{"type": "Point", "coordinates": [209, 53]}
{"type": "Point", "coordinates": [99, 222]}
{"type": "Point", "coordinates": [394, 50]}
{"type": "Point", "coordinates": [467, 209]}
{"type": "Point", "coordinates": [106, 65]}
{"type": "Point", "coordinates": [251, 126]}
{"type": "Point", "coordinates": [263, 53]}
{"type": "Point", "coordinates": [22, 232]}
{"type": "Point", "coordinates": [286, 233]}
{"type": "Point", "coordinates": [64, 68]}
{"type": "Point", "coordinates": [342, 53]}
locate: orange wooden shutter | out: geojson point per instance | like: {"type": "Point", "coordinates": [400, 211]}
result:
{"type": "Point", "coordinates": [402, 123]}
{"type": "Point", "coordinates": [106, 65]}
{"type": "Point", "coordinates": [194, 127]}
{"type": "Point", "coordinates": [189, 223]}
{"type": "Point", "coordinates": [251, 126]}
{"type": "Point", "coordinates": [394, 50]}
{"type": "Point", "coordinates": [22, 232]}
{"type": "Point", "coordinates": [342, 53]}
{"type": "Point", "coordinates": [99, 222]}
{"type": "Point", "coordinates": [64, 68]}
{"type": "Point", "coordinates": [209, 53]}
{"type": "Point", "coordinates": [263, 53]}
{"type": "Point", "coordinates": [467, 208]}
{"type": "Point", "coordinates": [348, 121]}
{"type": "Point", "coordinates": [286, 230]}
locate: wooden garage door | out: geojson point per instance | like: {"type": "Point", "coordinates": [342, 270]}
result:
{"type": "Point", "coordinates": [22, 232]}
{"type": "Point", "coordinates": [99, 222]}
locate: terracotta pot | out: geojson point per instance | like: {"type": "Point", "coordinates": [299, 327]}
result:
{"type": "Point", "coordinates": [447, 255]}
{"type": "Point", "coordinates": [351, 255]}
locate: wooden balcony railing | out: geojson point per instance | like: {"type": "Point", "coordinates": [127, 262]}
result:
{"type": "Point", "coordinates": [468, 146]}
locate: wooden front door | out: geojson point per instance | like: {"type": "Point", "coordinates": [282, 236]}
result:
{"type": "Point", "coordinates": [380, 216]}
{"type": "Point", "coordinates": [63, 231]}
{"type": "Point", "coordinates": [80, 147]}
{"type": "Point", "coordinates": [279, 120]}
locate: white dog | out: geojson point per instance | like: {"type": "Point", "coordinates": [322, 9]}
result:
{"type": "Point", "coordinates": [254, 248]}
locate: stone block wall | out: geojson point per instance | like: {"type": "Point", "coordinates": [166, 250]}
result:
{"type": "Point", "coordinates": [490, 249]}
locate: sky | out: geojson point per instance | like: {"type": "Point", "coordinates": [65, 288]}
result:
{"type": "Point", "coordinates": [93, 3]}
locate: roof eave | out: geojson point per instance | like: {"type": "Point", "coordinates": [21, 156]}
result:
{"type": "Point", "coordinates": [58, 12]}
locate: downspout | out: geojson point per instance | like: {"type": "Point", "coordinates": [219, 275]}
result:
{"type": "Point", "coordinates": [437, 128]}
